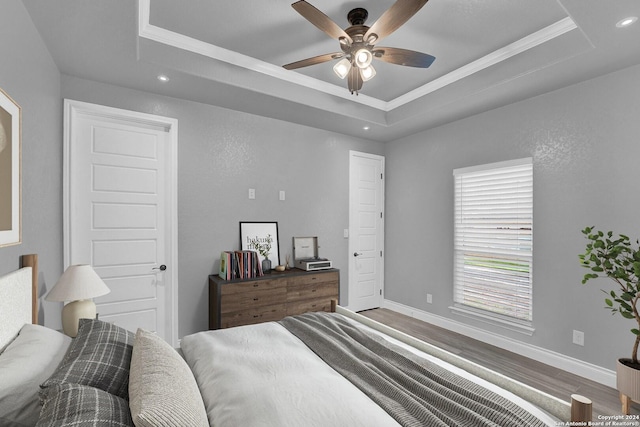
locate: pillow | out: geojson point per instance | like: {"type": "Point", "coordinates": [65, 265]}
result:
{"type": "Point", "coordinates": [99, 357]}
{"type": "Point", "coordinates": [83, 406]}
{"type": "Point", "coordinates": [162, 389]}
{"type": "Point", "coordinates": [30, 359]}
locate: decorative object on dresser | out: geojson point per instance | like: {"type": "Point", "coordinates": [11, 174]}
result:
{"type": "Point", "coordinates": [263, 246]}
{"type": "Point", "coordinates": [305, 254]}
{"type": "Point", "coordinates": [615, 258]}
{"type": "Point", "coordinates": [78, 284]}
{"type": "Point", "coordinates": [239, 265]}
{"type": "Point", "coordinates": [267, 298]}
{"type": "Point", "coordinates": [263, 233]}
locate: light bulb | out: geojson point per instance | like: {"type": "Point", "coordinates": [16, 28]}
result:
{"type": "Point", "coordinates": [363, 58]}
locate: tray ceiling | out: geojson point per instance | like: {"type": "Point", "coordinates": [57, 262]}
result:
{"type": "Point", "coordinates": [488, 54]}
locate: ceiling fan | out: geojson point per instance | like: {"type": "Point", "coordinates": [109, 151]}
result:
{"type": "Point", "coordinates": [357, 42]}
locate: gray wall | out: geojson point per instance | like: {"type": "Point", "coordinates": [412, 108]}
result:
{"type": "Point", "coordinates": [223, 153]}
{"type": "Point", "coordinates": [585, 149]}
{"type": "Point", "coordinates": [30, 77]}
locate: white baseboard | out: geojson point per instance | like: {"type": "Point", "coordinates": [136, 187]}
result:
{"type": "Point", "coordinates": [557, 360]}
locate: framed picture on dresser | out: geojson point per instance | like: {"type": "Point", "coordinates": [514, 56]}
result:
{"type": "Point", "coordinates": [262, 232]}
{"type": "Point", "coordinates": [10, 174]}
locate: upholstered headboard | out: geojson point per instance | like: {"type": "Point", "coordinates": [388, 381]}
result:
{"type": "Point", "coordinates": [19, 302]}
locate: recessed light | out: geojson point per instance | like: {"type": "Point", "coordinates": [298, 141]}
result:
{"type": "Point", "coordinates": [366, 127]}
{"type": "Point", "coordinates": [626, 21]}
{"type": "Point", "coordinates": [163, 78]}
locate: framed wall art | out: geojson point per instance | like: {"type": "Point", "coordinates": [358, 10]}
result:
{"type": "Point", "coordinates": [10, 171]}
{"type": "Point", "coordinates": [262, 232]}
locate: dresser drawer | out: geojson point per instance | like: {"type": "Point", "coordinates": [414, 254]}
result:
{"type": "Point", "coordinates": [311, 278]}
{"type": "Point", "coordinates": [312, 290]}
{"type": "Point", "coordinates": [249, 316]}
{"type": "Point", "coordinates": [246, 296]}
{"type": "Point", "coordinates": [303, 306]}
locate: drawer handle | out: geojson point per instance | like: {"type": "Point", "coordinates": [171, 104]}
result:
{"type": "Point", "coordinates": [255, 316]}
{"type": "Point", "coordinates": [255, 299]}
{"type": "Point", "coordinates": [255, 285]}
{"type": "Point", "coordinates": [313, 290]}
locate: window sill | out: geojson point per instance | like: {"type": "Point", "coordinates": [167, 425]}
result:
{"type": "Point", "coordinates": [495, 320]}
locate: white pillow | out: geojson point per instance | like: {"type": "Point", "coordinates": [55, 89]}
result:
{"type": "Point", "coordinates": [162, 389]}
{"type": "Point", "coordinates": [24, 364]}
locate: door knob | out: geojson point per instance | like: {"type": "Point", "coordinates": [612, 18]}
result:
{"type": "Point", "coordinates": [357, 253]}
{"type": "Point", "coordinates": [161, 268]}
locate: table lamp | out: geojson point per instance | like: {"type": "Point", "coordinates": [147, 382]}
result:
{"type": "Point", "coordinates": [78, 284]}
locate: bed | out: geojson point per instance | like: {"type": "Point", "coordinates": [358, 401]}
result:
{"type": "Point", "coordinates": [317, 369]}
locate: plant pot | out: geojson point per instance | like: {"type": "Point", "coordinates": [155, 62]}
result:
{"type": "Point", "coordinates": [628, 379]}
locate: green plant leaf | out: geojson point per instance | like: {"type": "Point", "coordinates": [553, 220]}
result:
{"type": "Point", "coordinates": [635, 331]}
{"type": "Point", "coordinates": [608, 302]}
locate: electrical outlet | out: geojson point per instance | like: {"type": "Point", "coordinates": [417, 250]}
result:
{"type": "Point", "coordinates": [252, 193]}
{"type": "Point", "coordinates": [429, 299]}
{"type": "Point", "coordinates": [578, 337]}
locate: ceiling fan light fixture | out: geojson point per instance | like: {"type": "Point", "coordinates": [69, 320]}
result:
{"type": "Point", "coordinates": [342, 68]}
{"type": "Point", "coordinates": [363, 58]}
{"type": "Point", "coordinates": [367, 73]}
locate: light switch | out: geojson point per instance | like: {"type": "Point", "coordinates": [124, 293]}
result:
{"type": "Point", "coordinates": [281, 194]}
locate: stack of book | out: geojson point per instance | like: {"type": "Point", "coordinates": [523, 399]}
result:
{"type": "Point", "coordinates": [240, 265]}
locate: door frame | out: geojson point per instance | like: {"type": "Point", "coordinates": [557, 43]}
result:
{"type": "Point", "coordinates": [72, 110]}
{"type": "Point", "coordinates": [381, 231]}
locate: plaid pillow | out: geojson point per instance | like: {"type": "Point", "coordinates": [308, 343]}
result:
{"type": "Point", "coordinates": [76, 405]}
{"type": "Point", "coordinates": [99, 356]}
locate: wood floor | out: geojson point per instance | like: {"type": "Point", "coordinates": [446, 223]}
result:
{"type": "Point", "coordinates": [543, 377]}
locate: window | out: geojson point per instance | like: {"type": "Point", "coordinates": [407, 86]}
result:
{"type": "Point", "coordinates": [493, 243]}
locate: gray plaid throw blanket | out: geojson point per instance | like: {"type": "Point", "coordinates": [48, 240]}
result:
{"type": "Point", "coordinates": [415, 392]}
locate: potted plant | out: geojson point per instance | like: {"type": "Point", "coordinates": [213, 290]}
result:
{"type": "Point", "coordinates": [263, 246]}
{"type": "Point", "coordinates": [618, 260]}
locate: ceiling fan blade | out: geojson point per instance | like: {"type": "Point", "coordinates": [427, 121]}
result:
{"type": "Point", "coordinates": [320, 20]}
{"type": "Point", "coordinates": [393, 18]}
{"type": "Point", "coordinates": [409, 58]}
{"type": "Point", "coordinates": [313, 61]}
{"type": "Point", "coordinates": [354, 80]}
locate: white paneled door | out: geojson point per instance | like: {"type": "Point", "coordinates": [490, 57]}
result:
{"type": "Point", "coordinates": [366, 230]}
{"type": "Point", "coordinates": [120, 211]}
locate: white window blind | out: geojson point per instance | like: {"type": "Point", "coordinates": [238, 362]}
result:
{"type": "Point", "coordinates": [493, 239]}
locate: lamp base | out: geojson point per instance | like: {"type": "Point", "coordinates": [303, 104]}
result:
{"type": "Point", "coordinates": [73, 312]}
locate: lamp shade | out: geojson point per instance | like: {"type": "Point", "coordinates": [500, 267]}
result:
{"type": "Point", "coordinates": [342, 68]}
{"type": "Point", "coordinates": [367, 73]}
{"type": "Point", "coordinates": [79, 282]}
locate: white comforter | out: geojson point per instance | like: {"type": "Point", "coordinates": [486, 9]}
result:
{"type": "Point", "coordinates": [261, 375]}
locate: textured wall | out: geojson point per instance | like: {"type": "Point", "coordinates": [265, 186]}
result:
{"type": "Point", "coordinates": [223, 153]}
{"type": "Point", "coordinates": [30, 77]}
{"type": "Point", "coordinates": [585, 149]}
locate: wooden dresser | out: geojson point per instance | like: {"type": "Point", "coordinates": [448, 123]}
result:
{"type": "Point", "coordinates": [270, 297]}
